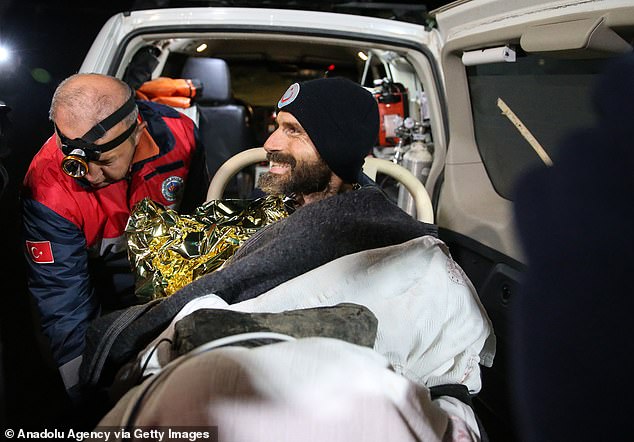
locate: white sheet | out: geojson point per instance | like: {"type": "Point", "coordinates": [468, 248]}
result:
{"type": "Point", "coordinates": [311, 389]}
{"type": "Point", "coordinates": [432, 327]}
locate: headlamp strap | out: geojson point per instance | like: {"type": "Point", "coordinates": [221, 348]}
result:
{"type": "Point", "coordinates": [100, 129]}
{"type": "Point", "coordinates": [99, 148]}
{"type": "Point", "coordinates": [67, 143]}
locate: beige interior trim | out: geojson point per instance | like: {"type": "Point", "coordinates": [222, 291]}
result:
{"type": "Point", "coordinates": [232, 166]}
{"type": "Point", "coordinates": [424, 210]}
{"type": "Point", "coordinates": [590, 36]}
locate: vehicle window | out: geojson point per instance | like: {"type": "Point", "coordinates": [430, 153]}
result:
{"type": "Point", "coordinates": [549, 96]}
{"type": "Point", "coordinates": [262, 84]}
{"type": "Point", "coordinates": [262, 69]}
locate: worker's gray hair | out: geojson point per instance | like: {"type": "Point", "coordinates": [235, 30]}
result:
{"type": "Point", "coordinates": [86, 102]}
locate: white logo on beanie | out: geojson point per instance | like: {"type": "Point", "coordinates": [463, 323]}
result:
{"type": "Point", "coordinates": [289, 96]}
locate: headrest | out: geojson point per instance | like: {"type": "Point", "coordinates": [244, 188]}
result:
{"type": "Point", "coordinates": [214, 75]}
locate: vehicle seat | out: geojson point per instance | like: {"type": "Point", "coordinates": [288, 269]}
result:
{"type": "Point", "coordinates": [223, 123]}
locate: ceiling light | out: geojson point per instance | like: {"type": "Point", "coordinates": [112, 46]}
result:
{"type": "Point", "coordinates": [362, 56]}
{"type": "Point", "coordinates": [202, 47]}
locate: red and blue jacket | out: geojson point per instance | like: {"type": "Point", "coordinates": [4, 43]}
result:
{"type": "Point", "coordinates": [74, 234]}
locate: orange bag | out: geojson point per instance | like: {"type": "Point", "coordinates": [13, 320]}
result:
{"type": "Point", "coordinates": [176, 92]}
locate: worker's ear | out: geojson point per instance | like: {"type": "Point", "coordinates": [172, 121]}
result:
{"type": "Point", "coordinates": [58, 141]}
{"type": "Point", "coordinates": [139, 130]}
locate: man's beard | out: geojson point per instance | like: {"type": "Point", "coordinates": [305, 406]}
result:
{"type": "Point", "coordinates": [304, 178]}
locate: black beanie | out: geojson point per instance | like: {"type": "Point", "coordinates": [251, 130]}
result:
{"type": "Point", "coordinates": [341, 119]}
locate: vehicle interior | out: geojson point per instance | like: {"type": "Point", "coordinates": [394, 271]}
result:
{"type": "Point", "coordinates": [473, 131]}
{"type": "Point", "coordinates": [485, 119]}
{"type": "Point", "coordinates": [548, 88]}
{"type": "Point", "coordinates": [243, 76]}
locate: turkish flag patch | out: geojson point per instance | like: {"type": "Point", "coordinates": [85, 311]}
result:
{"type": "Point", "coordinates": [40, 251]}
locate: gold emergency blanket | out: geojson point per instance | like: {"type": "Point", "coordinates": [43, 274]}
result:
{"type": "Point", "coordinates": [167, 250]}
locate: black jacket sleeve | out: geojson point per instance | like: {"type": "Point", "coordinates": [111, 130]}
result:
{"type": "Point", "coordinates": [197, 180]}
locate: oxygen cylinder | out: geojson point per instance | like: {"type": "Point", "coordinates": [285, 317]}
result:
{"type": "Point", "coordinates": [417, 160]}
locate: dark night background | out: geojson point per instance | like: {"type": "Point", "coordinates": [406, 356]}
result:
{"type": "Point", "coordinates": [48, 41]}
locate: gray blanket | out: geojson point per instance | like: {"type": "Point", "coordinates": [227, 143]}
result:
{"type": "Point", "coordinates": [312, 236]}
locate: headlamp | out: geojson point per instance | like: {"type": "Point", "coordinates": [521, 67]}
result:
{"type": "Point", "coordinates": [80, 151]}
{"type": "Point", "coordinates": [75, 164]}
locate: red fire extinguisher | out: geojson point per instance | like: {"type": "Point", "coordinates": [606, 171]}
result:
{"type": "Point", "coordinates": [393, 109]}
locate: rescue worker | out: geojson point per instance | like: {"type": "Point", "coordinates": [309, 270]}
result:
{"type": "Point", "coordinates": [108, 152]}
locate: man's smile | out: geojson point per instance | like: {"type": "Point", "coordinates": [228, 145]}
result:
{"type": "Point", "coordinates": [279, 168]}
{"type": "Point", "coordinates": [280, 163]}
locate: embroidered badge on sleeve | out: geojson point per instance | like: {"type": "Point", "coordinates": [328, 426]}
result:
{"type": "Point", "coordinates": [172, 188]}
{"type": "Point", "coordinates": [40, 251]}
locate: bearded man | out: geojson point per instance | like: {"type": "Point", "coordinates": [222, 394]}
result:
{"type": "Point", "coordinates": [326, 127]}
